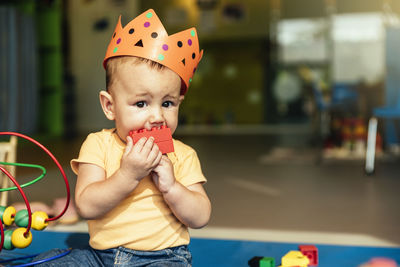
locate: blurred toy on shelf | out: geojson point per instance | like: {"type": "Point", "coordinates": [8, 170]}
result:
{"type": "Point", "coordinates": [348, 139]}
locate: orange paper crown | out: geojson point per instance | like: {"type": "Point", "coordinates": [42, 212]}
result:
{"type": "Point", "coordinates": [146, 37]}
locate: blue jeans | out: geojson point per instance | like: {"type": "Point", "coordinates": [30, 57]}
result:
{"type": "Point", "coordinates": [121, 257]}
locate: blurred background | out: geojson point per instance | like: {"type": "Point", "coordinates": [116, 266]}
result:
{"type": "Point", "coordinates": [321, 63]}
{"type": "Point", "coordinates": [278, 110]}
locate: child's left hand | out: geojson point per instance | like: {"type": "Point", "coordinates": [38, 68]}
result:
{"type": "Point", "coordinates": [163, 175]}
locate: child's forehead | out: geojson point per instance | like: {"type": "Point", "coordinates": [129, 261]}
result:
{"type": "Point", "coordinates": [140, 90]}
{"type": "Point", "coordinates": [126, 67]}
{"type": "Point", "coordinates": [142, 78]}
{"type": "Point", "coordinates": [134, 61]}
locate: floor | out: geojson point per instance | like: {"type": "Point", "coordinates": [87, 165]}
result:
{"type": "Point", "coordinates": [266, 184]}
{"type": "Point", "coordinates": [208, 252]}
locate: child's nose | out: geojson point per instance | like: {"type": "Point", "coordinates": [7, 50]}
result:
{"type": "Point", "coordinates": [156, 117]}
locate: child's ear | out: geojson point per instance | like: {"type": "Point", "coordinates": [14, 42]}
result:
{"type": "Point", "coordinates": [181, 97]}
{"type": "Point", "coordinates": [107, 104]}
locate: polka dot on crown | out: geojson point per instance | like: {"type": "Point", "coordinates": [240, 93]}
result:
{"type": "Point", "coordinates": [165, 47]}
{"type": "Point", "coordinates": [193, 55]}
{"type": "Point", "coordinates": [161, 57]}
{"type": "Point", "coordinates": [179, 44]}
{"type": "Point", "coordinates": [115, 50]}
{"type": "Point", "coordinates": [146, 24]}
{"type": "Point", "coordinates": [190, 42]}
{"type": "Point", "coordinates": [154, 35]}
{"type": "Point", "coordinates": [114, 34]}
{"type": "Point", "coordinates": [149, 15]}
{"type": "Point", "coordinates": [132, 30]}
{"type": "Point", "coordinates": [119, 40]}
{"type": "Point", "coordinates": [192, 33]}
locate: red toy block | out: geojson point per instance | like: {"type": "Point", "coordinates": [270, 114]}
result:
{"type": "Point", "coordinates": [311, 252]}
{"type": "Point", "coordinates": [162, 137]}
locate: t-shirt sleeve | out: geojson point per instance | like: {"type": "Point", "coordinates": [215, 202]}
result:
{"type": "Point", "coordinates": [189, 171]}
{"type": "Point", "coordinates": [92, 151]}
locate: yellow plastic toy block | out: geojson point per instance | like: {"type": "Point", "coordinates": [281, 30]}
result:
{"type": "Point", "coordinates": [295, 258]}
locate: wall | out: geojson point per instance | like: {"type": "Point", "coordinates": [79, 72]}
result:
{"type": "Point", "coordinates": [19, 88]}
{"type": "Point", "coordinates": [90, 25]}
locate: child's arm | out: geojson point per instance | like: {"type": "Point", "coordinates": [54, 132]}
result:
{"type": "Point", "coordinates": [189, 204]}
{"type": "Point", "coordinates": [95, 195]}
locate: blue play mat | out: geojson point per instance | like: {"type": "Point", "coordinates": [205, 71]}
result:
{"type": "Point", "coordinates": [229, 253]}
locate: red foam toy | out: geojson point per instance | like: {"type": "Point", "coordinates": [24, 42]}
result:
{"type": "Point", "coordinates": [311, 252]}
{"type": "Point", "coordinates": [162, 137]}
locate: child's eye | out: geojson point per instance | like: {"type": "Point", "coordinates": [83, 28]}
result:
{"type": "Point", "coordinates": [167, 104]}
{"type": "Point", "coordinates": [140, 104]}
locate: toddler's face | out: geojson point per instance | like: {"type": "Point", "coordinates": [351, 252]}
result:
{"type": "Point", "coordinates": [145, 97]}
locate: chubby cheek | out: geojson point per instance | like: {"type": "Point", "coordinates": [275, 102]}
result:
{"type": "Point", "coordinates": [123, 132]}
{"type": "Point", "coordinates": [128, 124]}
{"type": "Point", "coordinates": [172, 122]}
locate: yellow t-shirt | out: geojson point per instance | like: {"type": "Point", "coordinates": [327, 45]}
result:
{"type": "Point", "coordinates": [142, 221]}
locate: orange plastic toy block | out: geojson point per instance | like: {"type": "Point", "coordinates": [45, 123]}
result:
{"type": "Point", "coordinates": [162, 137]}
{"type": "Point", "coordinates": [311, 252]}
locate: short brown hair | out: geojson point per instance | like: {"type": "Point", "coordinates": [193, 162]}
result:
{"type": "Point", "coordinates": [113, 64]}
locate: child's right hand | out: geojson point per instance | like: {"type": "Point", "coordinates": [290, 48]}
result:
{"type": "Point", "coordinates": [140, 159]}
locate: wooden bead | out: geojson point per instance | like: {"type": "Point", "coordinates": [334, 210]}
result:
{"type": "Point", "coordinates": [39, 220]}
{"type": "Point", "coordinates": [7, 240]}
{"type": "Point", "coordinates": [19, 240]}
{"type": "Point", "coordinates": [8, 215]}
{"type": "Point", "coordinates": [22, 218]}
{"type": "Point", "coordinates": [2, 209]}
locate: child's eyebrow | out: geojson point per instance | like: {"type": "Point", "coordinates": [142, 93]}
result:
{"type": "Point", "coordinates": [171, 96]}
{"type": "Point", "coordinates": [141, 94]}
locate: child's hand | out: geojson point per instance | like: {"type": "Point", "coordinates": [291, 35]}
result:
{"type": "Point", "coordinates": [163, 175]}
{"type": "Point", "coordinates": [141, 158]}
